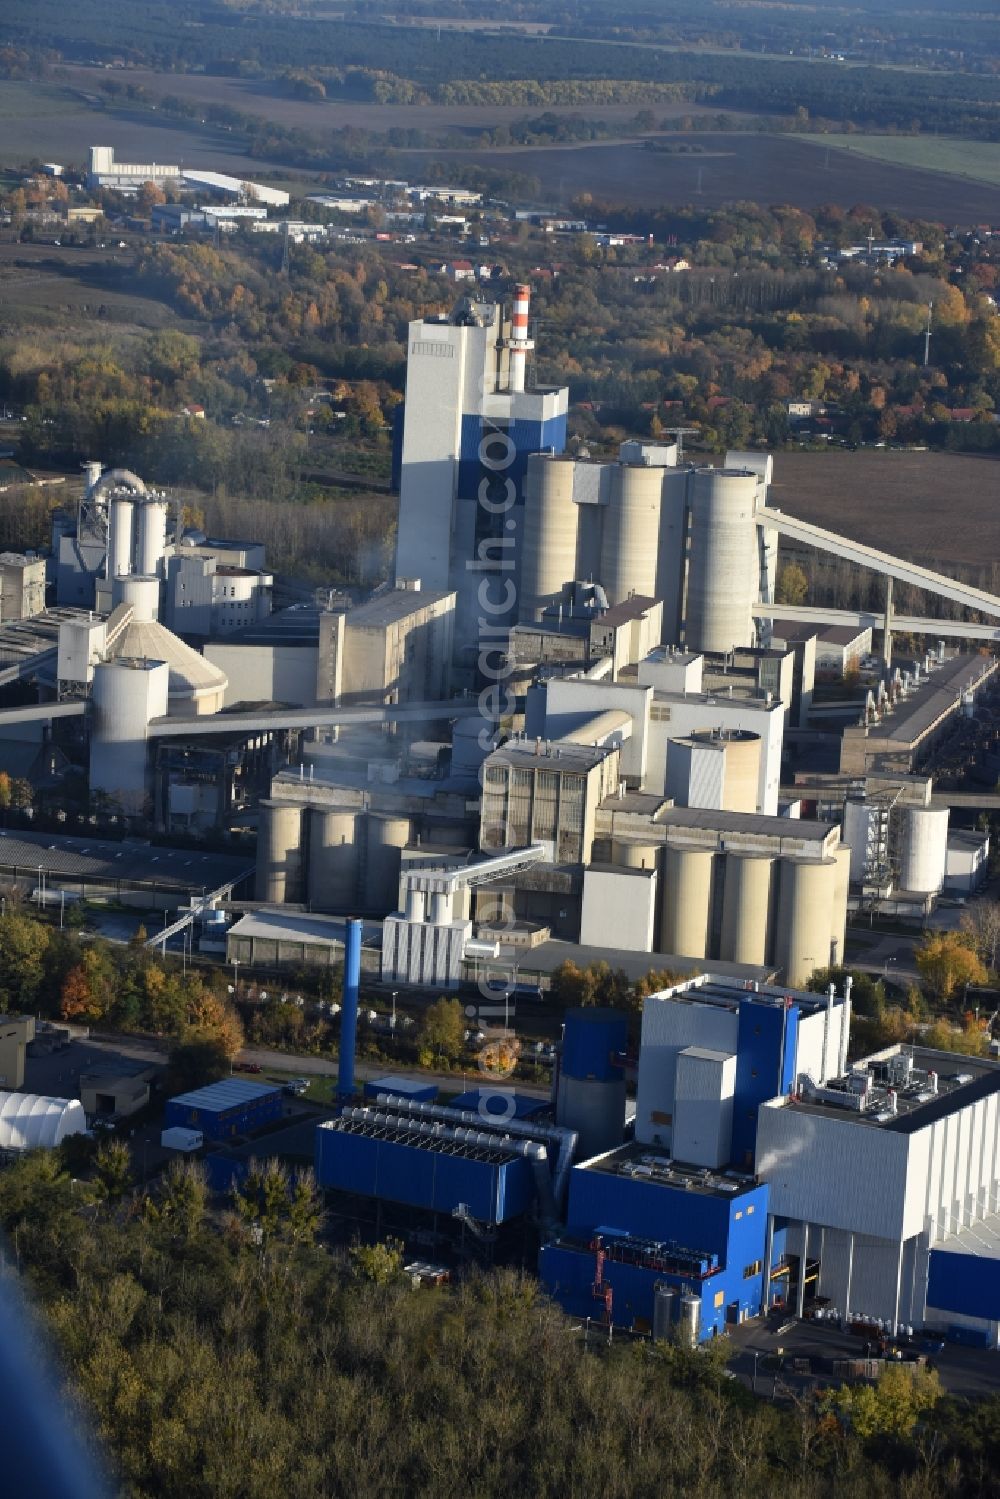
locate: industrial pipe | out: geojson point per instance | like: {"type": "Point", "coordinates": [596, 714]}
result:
{"type": "Point", "coordinates": [349, 1011]}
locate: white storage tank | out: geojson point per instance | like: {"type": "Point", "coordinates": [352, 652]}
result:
{"type": "Point", "coordinates": [119, 536]}
{"type": "Point", "coordinates": [143, 593]}
{"type": "Point", "coordinates": [687, 901]}
{"type": "Point", "coordinates": [279, 852]}
{"type": "Point", "coordinates": [551, 521]}
{"type": "Point", "coordinates": [632, 533]}
{"type": "Point", "coordinates": [724, 570]}
{"type": "Point", "coordinates": [635, 855]}
{"type": "Point", "coordinates": [333, 861]}
{"type": "Point", "coordinates": [151, 538]}
{"type": "Point", "coordinates": [126, 695]}
{"type": "Point", "coordinates": [385, 839]}
{"type": "Point", "coordinates": [925, 849]}
{"type": "Point", "coordinates": [689, 1321]}
{"type": "Point", "coordinates": [664, 1312]}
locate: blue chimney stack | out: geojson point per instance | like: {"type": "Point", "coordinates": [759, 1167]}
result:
{"type": "Point", "coordinates": [349, 1008]}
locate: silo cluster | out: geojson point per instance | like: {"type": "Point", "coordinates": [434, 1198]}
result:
{"type": "Point", "coordinates": [330, 858]}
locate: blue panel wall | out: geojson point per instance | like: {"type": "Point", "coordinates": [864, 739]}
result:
{"type": "Point", "coordinates": [527, 437]}
{"type": "Point", "coordinates": [224, 1124]}
{"type": "Point", "coordinates": [967, 1284]}
{"type": "Point", "coordinates": [765, 1066]}
{"type": "Point", "coordinates": [699, 1220]}
{"type": "Point", "coordinates": [567, 1273]}
{"type": "Point", "coordinates": [422, 1178]}
{"type": "Point", "coordinates": [591, 1038]}
{"type": "Point", "coordinates": [223, 1172]}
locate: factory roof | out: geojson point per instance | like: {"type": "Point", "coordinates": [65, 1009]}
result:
{"type": "Point", "coordinates": [284, 925]}
{"type": "Point", "coordinates": [801, 629]}
{"type": "Point", "coordinates": [641, 803]}
{"type": "Point", "coordinates": [547, 956]}
{"type": "Point", "coordinates": [298, 625]}
{"type": "Point", "coordinates": [752, 696]}
{"type": "Point", "coordinates": [551, 754]}
{"type": "Point", "coordinates": [802, 829]}
{"type": "Point", "coordinates": [720, 989]}
{"type": "Point", "coordinates": [959, 1080]}
{"type": "Point", "coordinates": [189, 671]}
{"type": "Point", "coordinates": [937, 696]}
{"type": "Point", "coordinates": [380, 1126]}
{"type": "Point", "coordinates": [76, 859]}
{"type": "Point", "coordinates": [629, 609]}
{"type": "Point", "coordinates": [645, 1163]}
{"type": "Point", "coordinates": [21, 638]}
{"type": "Point", "coordinates": [389, 608]}
{"type": "Point", "coordinates": [216, 1098]}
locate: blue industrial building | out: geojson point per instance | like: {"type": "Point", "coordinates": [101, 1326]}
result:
{"type": "Point", "coordinates": [639, 1224]}
{"type": "Point", "coordinates": [400, 1087]}
{"type": "Point", "coordinates": [225, 1109]}
{"type": "Point", "coordinates": [370, 1154]}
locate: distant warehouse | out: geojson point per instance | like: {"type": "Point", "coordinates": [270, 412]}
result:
{"type": "Point", "coordinates": [128, 177]}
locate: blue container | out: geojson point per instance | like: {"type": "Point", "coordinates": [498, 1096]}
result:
{"type": "Point", "coordinates": [495, 1105]}
{"type": "Point", "coordinates": [225, 1109]}
{"type": "Point", "coordinates": [591, 1039]}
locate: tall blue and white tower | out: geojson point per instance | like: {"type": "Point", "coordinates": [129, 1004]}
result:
{"type": "Point", "coordinates": [469, 425]}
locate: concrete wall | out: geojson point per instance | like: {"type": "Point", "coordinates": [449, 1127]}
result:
{"type": "Point", "coordinates": [619, 909]}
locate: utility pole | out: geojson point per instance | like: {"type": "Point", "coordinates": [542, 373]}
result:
{"type": "Point", "coordinates": [927, 335]}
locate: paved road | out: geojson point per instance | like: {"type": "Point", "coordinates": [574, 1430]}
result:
{"type": "Point", "coordinates": [969, 1372]}
{"type": "Point", "coordinates": [264, 1056]}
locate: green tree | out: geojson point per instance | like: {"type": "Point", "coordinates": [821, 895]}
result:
{"type": "Point", "coordinates": [182, 1200]}
{"type": "Point", "coordinates": [792, 586]}
{"type": "Point", "coordinates": [377, 1263]}
{"type": "Point", "coordinates": [112, 1170]}
{"type": "Point", "coordinates": [442, 1029]}
{"type": "Point", "coordinates": [24, 944]}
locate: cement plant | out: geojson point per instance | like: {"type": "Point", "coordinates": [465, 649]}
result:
{"type": "Point", "coordinates": [575, 727]}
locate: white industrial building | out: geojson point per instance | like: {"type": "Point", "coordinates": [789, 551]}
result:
{"type": "Point", "coordinates": [129, 177]}
{"type": "Point", "coordinates": [888, 1178]}
{"type": "Point", "coordinates": [30, 1122]}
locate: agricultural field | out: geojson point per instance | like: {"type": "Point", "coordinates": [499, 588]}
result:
{"type": "Point", "coordinates": [731, 167]}
{"type": "Point", "coordinates": [978, 161]}
{"type": "Point", "coordinates": [935, 508]}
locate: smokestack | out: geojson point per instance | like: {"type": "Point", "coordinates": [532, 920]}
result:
{"type": "Point", "coordinates": [845, 1024]}
{"type": "Point", "coordinates": [520, 343]}
{"type": "Point", "coordinates": [349, 1008]}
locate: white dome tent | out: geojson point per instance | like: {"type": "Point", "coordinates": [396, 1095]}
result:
{"type": "Point", "coordinates": [28, 1121]}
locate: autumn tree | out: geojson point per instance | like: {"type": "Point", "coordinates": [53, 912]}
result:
{"type": "Point", "coordinates": [947, 962]}
{"type": "Point", "coordinates": [792, 586]}
{"type": "Point", "coordinates": [442, 1029]}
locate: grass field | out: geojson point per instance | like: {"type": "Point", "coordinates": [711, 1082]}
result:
{"type": "Point", "coordinates": [977, 161]}
{"type": "Point", "coordinates": [931, 507]}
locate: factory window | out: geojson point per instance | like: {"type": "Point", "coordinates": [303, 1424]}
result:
{"type": "Point", "coordinates": [753, 1072]}
{"type": "Point", "coordinates": [740, 1214]}
{"type": "Point", "coordinates": [658, 1117]}
{"type": "Point", "coordinates": [720, 1297]}
{"type": "Point", "coordinates": [749, 1210]}
{"type": "Point", "coordinates": [752, 1270]}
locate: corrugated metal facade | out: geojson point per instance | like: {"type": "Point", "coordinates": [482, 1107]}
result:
{"type": "Point", "coordinates": [223, 1121]}
{"type": "Point", "coordinates": [590, 1040]}
{"type": "Point", "coordinates": [422, 1177]}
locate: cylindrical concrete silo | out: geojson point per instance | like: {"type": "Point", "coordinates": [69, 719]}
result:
{"type": "Point", "coordinates": [925, 849]}
{"type": "Point", "coordinates": [746, 909]}
{"type": "Point", "coordinates": [120, 513]}
{"type": "Point", "coordinates": [126, 695]}
{"type": "Point", "coordinates": [687, 902]}
{"type": "Point", "coordinates": [805, 903]}
{"type": "Point", "coordinates": [634, 855]}
{"type": "Point", "coordinates": [590, 1095]}
{"type": "Point", "coordinates": [632, 532]}
{"type": "Point", "coordinates": [333, 861]}
{"type": "Point", "coordinates": [143, 593]}
{"type": "Point", "coordinates": [279, 852]}
{"type": "Point", "coordinates": [838, 918]}
{"type": "Point", "coordinates": [723, 573]}
{"type": "Point", "coordinates": [672, 551]}
{"type": "Point", "coordinates": [151, 538]}
{"type": "Point", "coordinates": [548, 550]}
{"type": "Point", "coordinates": [385, 838]}
{"type": "Point", "coordinates": [742, 774]}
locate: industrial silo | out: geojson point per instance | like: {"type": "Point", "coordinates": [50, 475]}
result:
{"type": "Point", "coordinates": [548, 550]}
{"type": "Point", "coordinates": [742, 773]}
{"type": "Point", "coordinates": [632, 532]}
{"type": "Point", "coordinates": [119, 536]}
{"type": "Point", "coordinates": [385, 838]}
{"type": "Point", "coordinates": [142, 593]}
{"type": "Point", "coordinates": [672, 550]}
{"type": "Point", "coordinates": [841, 888]}
{"type": "Point", "coordinates": [665, 1300]}
{"type": "Point", "coordinates": [280, 853]}
{"type": "Point", "coordinates": [127, 694]}
{"type": "Point", "coordinates": [925, 849]}
{"type": "Point", "coordinates": [590, 1093]}
{"type": "Point", "coordinates": [746, 909]}
{"type": "Point", "coordinates": [687, 902]}
{"type": "Point", "coordinates": [634, 855]}
{"type": "Point", "coordinates": [805, 906]}
{"type": "Point", "coordinates": [333, 860]}
{"type": "Point", "coordinates": [723, 573]}
{"type": "Point", "coordinates": [689, 1320]}
{"type": "Point", "coordinates": [151, 537]}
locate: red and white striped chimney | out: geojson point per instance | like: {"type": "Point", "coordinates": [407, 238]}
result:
{"type": "Point", "coordinates": [520, 343]}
